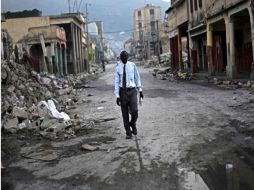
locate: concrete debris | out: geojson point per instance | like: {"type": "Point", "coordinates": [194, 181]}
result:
{"type": "Point", "coordinates": [168, 74]}
{"type": "Point", "coordinates": [234, 84]}
{"type": "Point", "coordinates": [38, 102]}
{"type": "Point", "coordinates": [86, 101]}
{"type": "Point", "coordinates": [20, 112]}
{"type": "Point", "coordinates": [44, 155]}
{"type": "Point", "coordinates": [11, 123]}
{"type": "Point", "coordinates": [88, 147]}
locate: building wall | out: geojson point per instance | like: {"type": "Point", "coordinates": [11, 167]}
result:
{"type": "Point", "coordinates": [165, 44]}
{"type": "Point", "coordinates": [177, 16]}
{"type": "Point", "coordinates": [18, 28]}
{"type": "Point", "coordinates": [172, 21]}
{"type": "Point", "coordinates": [196, 14]}
{"type": "Point", "coordinates": [49, 32]}
{"type": "Point", "coordinates": [181, 13]}
{"type": "Point", "coordinates": [214, 7]}
{"type": "Point", "coordinates": [145, 19]}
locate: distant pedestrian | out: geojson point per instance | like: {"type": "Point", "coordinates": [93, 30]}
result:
{"type": "Point", "coordinates": [103, 65]}
{"type": "Point", "coordinates": [127, 82]}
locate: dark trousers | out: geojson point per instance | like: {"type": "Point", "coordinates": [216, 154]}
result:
{"type": "Point", "coordinates": [129, 105]}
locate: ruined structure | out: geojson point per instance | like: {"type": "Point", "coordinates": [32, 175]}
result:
{"type": "Point", "coordinates": [47, 45]}
{"type": "Point", "coordinates": [220, 35]}
{"type": "Point", "coordinates": [146, 31]}
{"type": "Point", "coordinates": [197, 35]}
{"type": "Point", "coordinates": [178, 36]}
{"type": "Point", "coordinates": [59, 40]}
{"type": "Point", "coordinates": [230, 26]}
{"type": "Point", "coordinates": [73, 24]}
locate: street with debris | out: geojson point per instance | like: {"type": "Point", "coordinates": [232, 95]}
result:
{"type": "Point", "coordinates": [127, 95]}
{"type": "Point", "coordinates": [189, 133]}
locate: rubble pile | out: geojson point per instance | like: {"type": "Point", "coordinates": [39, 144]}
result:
{"type": "Point", "coordinates": [152, 62]}
{"type": "Point", "coordinates": [95, 69]}
{"type": "Point", "coordinates": [165, 60]}
{"type": "Point", "coordinates": [37, 102]}
{"type": "Point", "coordinates": [168, 74]}
{"type": "Point", "coordinates": [233, 84]}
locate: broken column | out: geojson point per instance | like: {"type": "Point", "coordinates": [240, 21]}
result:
{"type": "Point", "coordinates": [230, 37]}
{"type": "Point", "coordinates": [210, 62]}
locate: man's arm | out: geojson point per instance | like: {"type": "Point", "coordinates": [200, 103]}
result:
{"type": "Point", "coordinates": [137, 79]}
{"type": "Point", "coordinates": [117, 83]}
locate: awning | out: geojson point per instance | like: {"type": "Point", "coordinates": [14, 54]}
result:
{"type": "Point", "coordinates": [197, 30]}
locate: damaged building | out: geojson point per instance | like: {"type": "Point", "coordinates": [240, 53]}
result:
{"type": "Point", "coordinates": [230, 43]}
{"type": "Point", "coordinates": [47, 48]}
{"type": "Point", "coordinates": [219, 34]}
{"type": "Point", "coordinates": [55, 44]}
{"type": "Point", "coordinates": [178, 36]}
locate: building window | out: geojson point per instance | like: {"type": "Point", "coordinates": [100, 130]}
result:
{"type": "Point", "coordinates": [200, 4]}
{"type": "Point", "coordinates": [139, 13]}
{"type": "Point", "coordinates": [152, 26]}
{"type": "Point", "coordinates": [140, 26]}
{"type": "Point", "coordinates": [191, 6]}
{"type": "Point", "coordinates": [196, 4]}
{"type": "Point", "coordinates": [151, 11]}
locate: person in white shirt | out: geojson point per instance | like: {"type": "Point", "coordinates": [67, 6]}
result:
{"type": "Point", "coordinates": [127, 83]}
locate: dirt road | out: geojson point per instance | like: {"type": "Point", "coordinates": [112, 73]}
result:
{"type": "Point", "coordinates": [190, 136]}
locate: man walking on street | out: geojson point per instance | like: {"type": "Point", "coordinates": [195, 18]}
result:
{"type": "Point", "coordinates": [127, 82]}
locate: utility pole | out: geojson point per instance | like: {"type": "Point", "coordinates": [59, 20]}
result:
{"type": "Point", "coordinates": [158, 40]}
{"type": "Point", "coordinates": [69, 6]}
{"type": "Point", "coordinates": [88, 44]}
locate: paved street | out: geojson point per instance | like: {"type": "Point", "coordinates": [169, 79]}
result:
{"type": "Point", "coordinates": [190, 136]}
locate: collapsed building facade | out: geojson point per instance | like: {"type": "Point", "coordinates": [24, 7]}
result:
{"type": "Point", "coordinates": [147, 25]}
{"type": "Point", "coordinates": [54, 44]}
{"type": "Point", "coordinates": [219, 34]}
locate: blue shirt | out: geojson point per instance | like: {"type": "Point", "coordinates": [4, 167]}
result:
{"type": "Point", "coordinates": [132, 77]}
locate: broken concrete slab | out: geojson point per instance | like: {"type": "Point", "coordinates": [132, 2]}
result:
{"type": "Point", "coordinates": [64, 91]}
{"type": "Point", "coordinates": [88, 147]}
{"type": "Point", "coordinates": [11, 89]}
{"type": "Point", "coordinates": [44, 155]}
{"type": "Point", "coordinates": [46, 123]}
{"type": "Point", "coordinates": [86, 101]}
{"type": "Point", "coordinates": [11, 123]}
{"type": "Point", "coordinates": [20, 112]}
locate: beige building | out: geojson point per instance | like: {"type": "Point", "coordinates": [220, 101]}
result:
{"type": "Point", "coordinates": [230, 41]}
{"type": "Point", "coordinates": [147, 22]}
{"type": "Point", "coordinates": [178, 35]}
{"type": "Point", "coordinates": [197, 35]}
{"type": "Point", "coordinates": [72, 26]}
{"type": "Point", "coordinates": [47, 48]}
{"type": "Point", "coordinates": [164, 40]}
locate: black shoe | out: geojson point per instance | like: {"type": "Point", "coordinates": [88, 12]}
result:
{"type": "Point", "coordinates": [134, 130]}
{"type": "Point", "coordinates": [128, 136]}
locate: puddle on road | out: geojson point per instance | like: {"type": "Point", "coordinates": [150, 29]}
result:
{"type": "Point", "coordinates": [231, 172]}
